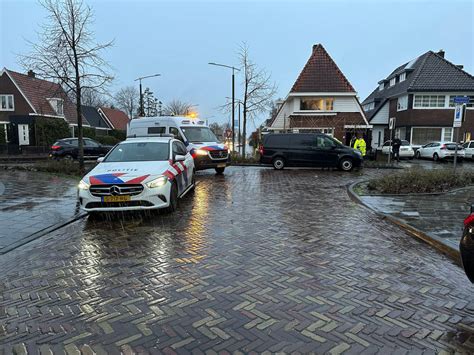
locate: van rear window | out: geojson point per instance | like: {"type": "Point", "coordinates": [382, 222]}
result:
{"type": "Point", "coordinates": [156, 130]}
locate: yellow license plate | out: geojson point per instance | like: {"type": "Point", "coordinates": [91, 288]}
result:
{"type": "Point", "coordinates": [223, 165]}
{"type": "Point", "coordinates": [123, 198]}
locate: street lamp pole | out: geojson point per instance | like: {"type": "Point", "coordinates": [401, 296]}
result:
{"type": "Point", "coordinates": [142, 111]}
{"type": "Point", "coordinates": [233, 98]}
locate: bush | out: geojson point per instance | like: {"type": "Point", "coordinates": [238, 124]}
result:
{"type": "Point", "coordinates": [107, 140]}
{"type": "Point", "coordinates": [120, 135]}
{"type": "Point", "coordinates": [49, 130]}
{"type": "Point", "coordinates": [420, 181]}
{"type": "Point", "coordinates": [88, 132]}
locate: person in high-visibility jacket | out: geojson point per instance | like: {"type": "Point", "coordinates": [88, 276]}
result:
{"type": "Point", "coordinates": [360, 145]}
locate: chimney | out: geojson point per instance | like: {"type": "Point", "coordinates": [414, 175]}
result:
{"type": "Point", "coordinates": [31, 73]}
{"type": "Point", "coordinates": [460, 66]}
{"type": "Point", "coordinates": [441, 53]}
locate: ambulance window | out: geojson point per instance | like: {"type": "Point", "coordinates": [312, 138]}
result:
{"type": "Point", "coordinates": [174, 131]}
{"type": "Point", "coordinates": [156, 130]}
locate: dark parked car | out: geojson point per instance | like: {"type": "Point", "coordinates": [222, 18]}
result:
{"type": "Point", "coordinates": [307, 149]}
{"type": "Point", "coordinates": [68, 148]}
{"type": "Point", "coordinates": [466, 246]}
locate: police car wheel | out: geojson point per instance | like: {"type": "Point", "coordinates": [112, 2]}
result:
{"type": "Point", "coordinates": [173, 199]}
{"type": "Point", "coordinates": [220, 170]}
{"type": "Point", "coordinates": [278, 163]}
{"type": "Point", "coordinates": [346, 164]}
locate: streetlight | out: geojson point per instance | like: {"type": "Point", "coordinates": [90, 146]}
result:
{"type": "Point", "coordinates": [239, 102]}
{"type": "Point", "coordinates": [233, 98]}
{"type": "Point", "coordinates": [142, 112]}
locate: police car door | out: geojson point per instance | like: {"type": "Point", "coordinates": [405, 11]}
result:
{"type": "Point", "coordinates": [184, 168]}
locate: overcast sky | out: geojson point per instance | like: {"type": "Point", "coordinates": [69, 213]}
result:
{"type": "Point", "coordinates": [177, 39]}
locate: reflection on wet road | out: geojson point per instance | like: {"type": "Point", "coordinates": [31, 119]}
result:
{"type": "Point", "coordinates": [254, 260]}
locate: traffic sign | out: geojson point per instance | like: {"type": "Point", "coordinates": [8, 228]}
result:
{"type": "Point", "coordinates": [458, 113]}
{"type": "Point", "coordinates": [391, 124]}
{"type": "Point", "coordinates": [461, 99]}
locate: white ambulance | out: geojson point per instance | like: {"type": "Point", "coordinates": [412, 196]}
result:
{"type": "Point", "coordinates": [201, 142]}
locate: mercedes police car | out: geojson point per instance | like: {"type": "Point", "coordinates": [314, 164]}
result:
{"type": "Point", "coordinates": [138, 174]}
{"type": "Point", "coordinates": [200, 141]}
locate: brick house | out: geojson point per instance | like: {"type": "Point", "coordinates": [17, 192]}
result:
{"type": "Point", "coordinates": [116, 119]}
{"type": "Point", "coordinates": [24, 98]}
{"type": "Point", "coordinates": [419, 94]}
{"type": "Point", "coordinates": [321, 100]}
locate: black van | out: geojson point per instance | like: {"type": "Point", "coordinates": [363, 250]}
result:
{"type": "Point", "coordinates": [307, 149]}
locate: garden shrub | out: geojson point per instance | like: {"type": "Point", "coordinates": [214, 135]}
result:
{"type": "Point", "coordinates": [49, 130]}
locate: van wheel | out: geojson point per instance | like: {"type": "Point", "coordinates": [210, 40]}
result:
{"type": "Point", "coordinates": [220, 170]}
{"type": "Point", "coordinates": [173, 199]}
{"type": "Point", "coordinates": [418, 155]}
{"type": "Point", "coordinates": [278, 163]}
{"type": "Point", "coordinates": [435, 157]}
{"type": "Point", "coordinates": [346, 164]}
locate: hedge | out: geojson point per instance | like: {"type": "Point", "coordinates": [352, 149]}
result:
{"type": "Point", "coordinates": [49, 130]}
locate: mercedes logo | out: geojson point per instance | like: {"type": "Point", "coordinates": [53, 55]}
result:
{"type": "Point", "coordinates": [115, 190]}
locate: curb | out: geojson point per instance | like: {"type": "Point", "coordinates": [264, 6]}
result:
{"type": "Point", "coordinates": [431, 240]}
{"type": "Point", "coordinates": [41, 233]}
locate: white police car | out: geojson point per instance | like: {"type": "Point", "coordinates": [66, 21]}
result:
{"type": "Point", "coordinates": [138, 174]}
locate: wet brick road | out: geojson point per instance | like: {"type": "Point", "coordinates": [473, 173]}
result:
{"type": "Point", "coordinates": [254, 260]}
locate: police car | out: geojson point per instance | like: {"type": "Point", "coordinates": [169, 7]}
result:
{"type": "Point", "coordinates": [201, 142]}
{"type": "Point", "coordinates": [139, 174]}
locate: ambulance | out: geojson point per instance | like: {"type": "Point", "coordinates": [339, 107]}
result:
{"type": "Point", "coordinates": [200, 141]}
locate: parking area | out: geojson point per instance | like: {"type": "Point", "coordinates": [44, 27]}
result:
{"type": "Point", "coordinates": [254, 260]}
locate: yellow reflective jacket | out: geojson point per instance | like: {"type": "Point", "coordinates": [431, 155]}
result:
{"type": "Point", "coordinates": [360, 145]}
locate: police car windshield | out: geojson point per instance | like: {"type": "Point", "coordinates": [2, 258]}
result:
{"type": "Point", "coordinates": [140, 151]}
{"type": "Point", "coordinates": [199, 134]}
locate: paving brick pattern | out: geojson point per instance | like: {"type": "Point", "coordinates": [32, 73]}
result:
{"type": "Point", "coordinates": [33, 201]}
{"type": "Point", "coordinates": [255, 260]}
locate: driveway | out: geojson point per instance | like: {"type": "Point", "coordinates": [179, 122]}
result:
{"type": "Point", "coordinates": [254, 260]}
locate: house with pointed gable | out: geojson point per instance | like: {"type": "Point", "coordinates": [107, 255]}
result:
{"type": "Point", "coordinates": [321, 100]}
{"type": "Point", "coordinates": [419, 94]}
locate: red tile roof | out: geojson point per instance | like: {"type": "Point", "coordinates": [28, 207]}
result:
{"type": "Point", "coordinates": [321, 74]}
{"type": "Point", "coordinates": [117, 118]}
{"type": "Point", "coordinates": [37, 91]}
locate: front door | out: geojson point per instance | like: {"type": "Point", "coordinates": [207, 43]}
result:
{"type": "Point", "coordinates": [23, 134]}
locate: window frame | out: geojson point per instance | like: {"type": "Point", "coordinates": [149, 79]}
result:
{"type": "Point", "coordinates": [7, 96]}
{"type": "Point", "coordinates": [393, 81]}
{"type": "Point", "coordinates": [324, 103]}
{"type": "Point", "coordinates": [402, 77]}
{"type": "Point", "coordinates": [424, 101]}
{"type": "Point", "coordinates": [53, 102]}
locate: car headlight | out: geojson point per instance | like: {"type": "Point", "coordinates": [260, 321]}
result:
{"type": "Point", "coordinates": [158, 182]}
{"type": "Point", "coordinates": [83, 185]}
{"type": "Point", "coordinates": [201, 152]}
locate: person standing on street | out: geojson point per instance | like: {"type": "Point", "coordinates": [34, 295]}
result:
{"type": "Point", "coordinates": [396, 149]}
{"type": "Point", "coordinates": [360, 145]}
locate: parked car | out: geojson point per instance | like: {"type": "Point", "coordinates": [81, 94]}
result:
{"type": "Point", "coordinates": [307, 149]}
{"type": "Point", "coordinates": [440, 151]}
{"type": "Point", "coordinates": [139, 174]}
{"type": "Point", "coordinates": [466, 246]}
{"type": "Point", "coordinates": [68, 148]}
{"type": "Point", "coordinates": [469, 149]}
{"type": "Point", "coordinates": [406, 150]}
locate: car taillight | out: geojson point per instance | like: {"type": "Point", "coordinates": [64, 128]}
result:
{"type": "Point", "coordinates": [55, 147]}
{"type": "Point", "coordinates": [260, 150]}
{"type": "Point", "coordinates": [469, 221]}
{"type": "Point", "coordinates": [443, 146]}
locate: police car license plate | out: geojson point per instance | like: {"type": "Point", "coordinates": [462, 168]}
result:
{"type": "Point", "coordinates": [122, 198]}
{"type": "Point", "coordinates": [222, 165]}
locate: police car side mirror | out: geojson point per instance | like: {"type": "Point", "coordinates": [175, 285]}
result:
{"type": "Point", "coordinates": [100, 159]}
{"type": "Point", "coordinates": [179, 158]}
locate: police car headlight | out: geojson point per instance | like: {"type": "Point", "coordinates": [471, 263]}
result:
{"type": "Point", "coordinates": [158, 182]}
{"type": "Point", "coordinates": [83, 185]}
{"type": "Point", "coordinates": [201, 152]}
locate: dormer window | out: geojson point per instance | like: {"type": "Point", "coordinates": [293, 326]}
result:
{"type": "Point", "coordinates": [393, 81]}
{"type": "Point", "coordinates": [57, 105]}
{"type": "Point", "coordinates": [369, 107]}
{"type": "Point", "coordinates": [6, 103]}
{"type": "Point", "coordinates": [317, 104]}
{"type": "Point", "coordinates": [402, 77]}
{"type": "Point", "coordinates": [381, 85]}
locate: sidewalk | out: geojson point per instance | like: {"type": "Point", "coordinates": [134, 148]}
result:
{"type": "Point", "coordinates": [31, 202]}
{"type": "Point", "coordinates": [438, 216]}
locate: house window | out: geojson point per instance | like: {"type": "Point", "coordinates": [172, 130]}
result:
{"type": "Point", "coordinates": [402, 77]}
{"type": "Point", "coordinates": [58, 106]}
{"type": "Point", "coordinates": [6, 103]}
{"type": "Point", "coordinates": [428, 101]}
{"type": "Point", "coordinates": [469, 104]}
{"type": "Point", "coordinates": [421, 135]}
{"type": "Point", "coordinates": [370, 106]}
{"type": "Point", "coordinates": [381, 85]}
{"type": "Point", "coordinates": [328, 131]}
{"type": "Point", "coordinates": [317, 104]}
{"type": "Point", "coordinates": [447, 134]}
{"type": "Point", "coordinates": [402, 103]}
{"type": "Point", "coordinates": [393, 81]}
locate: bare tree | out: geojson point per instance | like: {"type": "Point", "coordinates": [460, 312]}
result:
{"type": "Point", "coordinates": [127, 99]}
{"type": "Point", "coordinates": [67, 53]}
{"type": "Point", "coordinates": [177, 108]}
{"type": "Point", "coordinates": [95, 98]}
{"type": "Point", "coordinates": [258, 90]}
